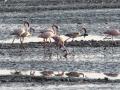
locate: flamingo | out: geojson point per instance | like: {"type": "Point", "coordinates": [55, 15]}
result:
{"type": "Point", "coordinates": [47, 73]}
{"type": "Point", "coordinates": [77, 34]}
{"type": "Point", "coordinates": [59, 41]}
{"type": "Point", "coordinates": [47, 34]}
{"type": "Point", "coordinates": [112, 33]}
{"type": "Point", "coordinates": [111, 74]}
{"type": "Point", "coordinates": [22, 32]}
{"type": "Point", "coordinates": [74, 74]}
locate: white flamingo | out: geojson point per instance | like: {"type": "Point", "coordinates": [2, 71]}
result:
{"type": "Point", "coordinates": [22, 32]}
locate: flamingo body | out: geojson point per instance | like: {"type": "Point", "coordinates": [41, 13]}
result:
{"type": "Point", "coordinates": [22, 32]}
{"type": "Point", "coordinates": [47, 73]}
{"type": "Point", "coordinates": [49, 33]}
{"type": "Point", "coordinates": [76, 34]}
{"type": "Point", "coordinates": [46, 34]}
{"type": "Point", "coordinates": [74, 74]}
{"type": "Point", "coordinates": [59, 40]}
{"type": "Point", "coordinates": [73, 35]}
{"type": "Point", "coordinates": [112, 32]}
{"type": "Point", "coordinates": [18, 32]}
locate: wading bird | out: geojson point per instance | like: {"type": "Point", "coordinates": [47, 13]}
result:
{"type": "Point", "coordinates": [59, 41]}
{"type": "Point", "coordinates": [112, 33]}
{"type": "Point", "coordinates": [47, 73]}
{"type": "Point", "coordinates": [23, 32]}
{"type": "Point", "coordinates": [111, 74]}
{"type": "Point", "coordinates": [77, 34]}
{"type": "Point", "coordinates": [47, 34]}
{"type": "Point", "coordinates": [74, 74]}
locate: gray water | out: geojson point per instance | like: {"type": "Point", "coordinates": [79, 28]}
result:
{"type": "Point", "coordinates": [88, 59]}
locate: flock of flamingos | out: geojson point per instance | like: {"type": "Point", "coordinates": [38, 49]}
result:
{"type": "Point", "coordinates": [52, 32]}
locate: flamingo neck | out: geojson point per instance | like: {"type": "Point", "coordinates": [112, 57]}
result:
{"type": "Point", "coordinates": [26, 28]}
{"type": "Point", "coordinates": [55, 29]}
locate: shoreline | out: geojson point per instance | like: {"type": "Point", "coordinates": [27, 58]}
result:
{"type": "Point", "coordinates": [89, 43]}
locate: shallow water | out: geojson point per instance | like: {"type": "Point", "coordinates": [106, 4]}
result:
{"type": "Point", "coordinates": [83, 59]}
{"type": "Point", "coordinates": [34, 86]}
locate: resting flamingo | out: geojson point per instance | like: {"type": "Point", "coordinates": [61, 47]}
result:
{"type": "Point", "coordinates": [77, 34]}
{"type": "Point", "coordinates": [47, 73]}
{"type": "Point", "coordinates": [22, 32]}
{"type": "Point", "coordinates": [75, 74]}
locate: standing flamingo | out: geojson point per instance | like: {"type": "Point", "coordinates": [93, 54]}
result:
{"type": "Point", "coordinates": [76, 34]}
{"type": "Point", "coordinates": [59, 41]}
{"type": "Point", "coordinates": [22, 32]}
{"type": "Point", "coordinates": [112, 33]}
{"type": "Point", "coordinates": [47, 34]}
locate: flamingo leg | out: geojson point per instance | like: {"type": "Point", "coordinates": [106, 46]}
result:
{"type": "Point", "coordinates": [66, 52]}
{"type": "Point", "coordinates": [13, 40]}
{"type": "Point", "coordinates": [44, 40]}
{"type": "Point", "coordinates": [112, 47]}
{"type": "Point", "coordinates": [21, 42]}
{"type": "Point", "coordinates": [50, 46]}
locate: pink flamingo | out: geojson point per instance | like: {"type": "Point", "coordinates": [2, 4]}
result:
{"type": "Point", "coordinates": [112, 33]}
{"type": "Point", "coordinates": [47, 34]}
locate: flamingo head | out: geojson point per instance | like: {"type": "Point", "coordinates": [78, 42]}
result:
{"type": "Point", "coordinates": [85, 32]}
{"type": "Point", "coordinates": [26, 23]}
{"type": "Point", "coordinates": [55, 28]}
